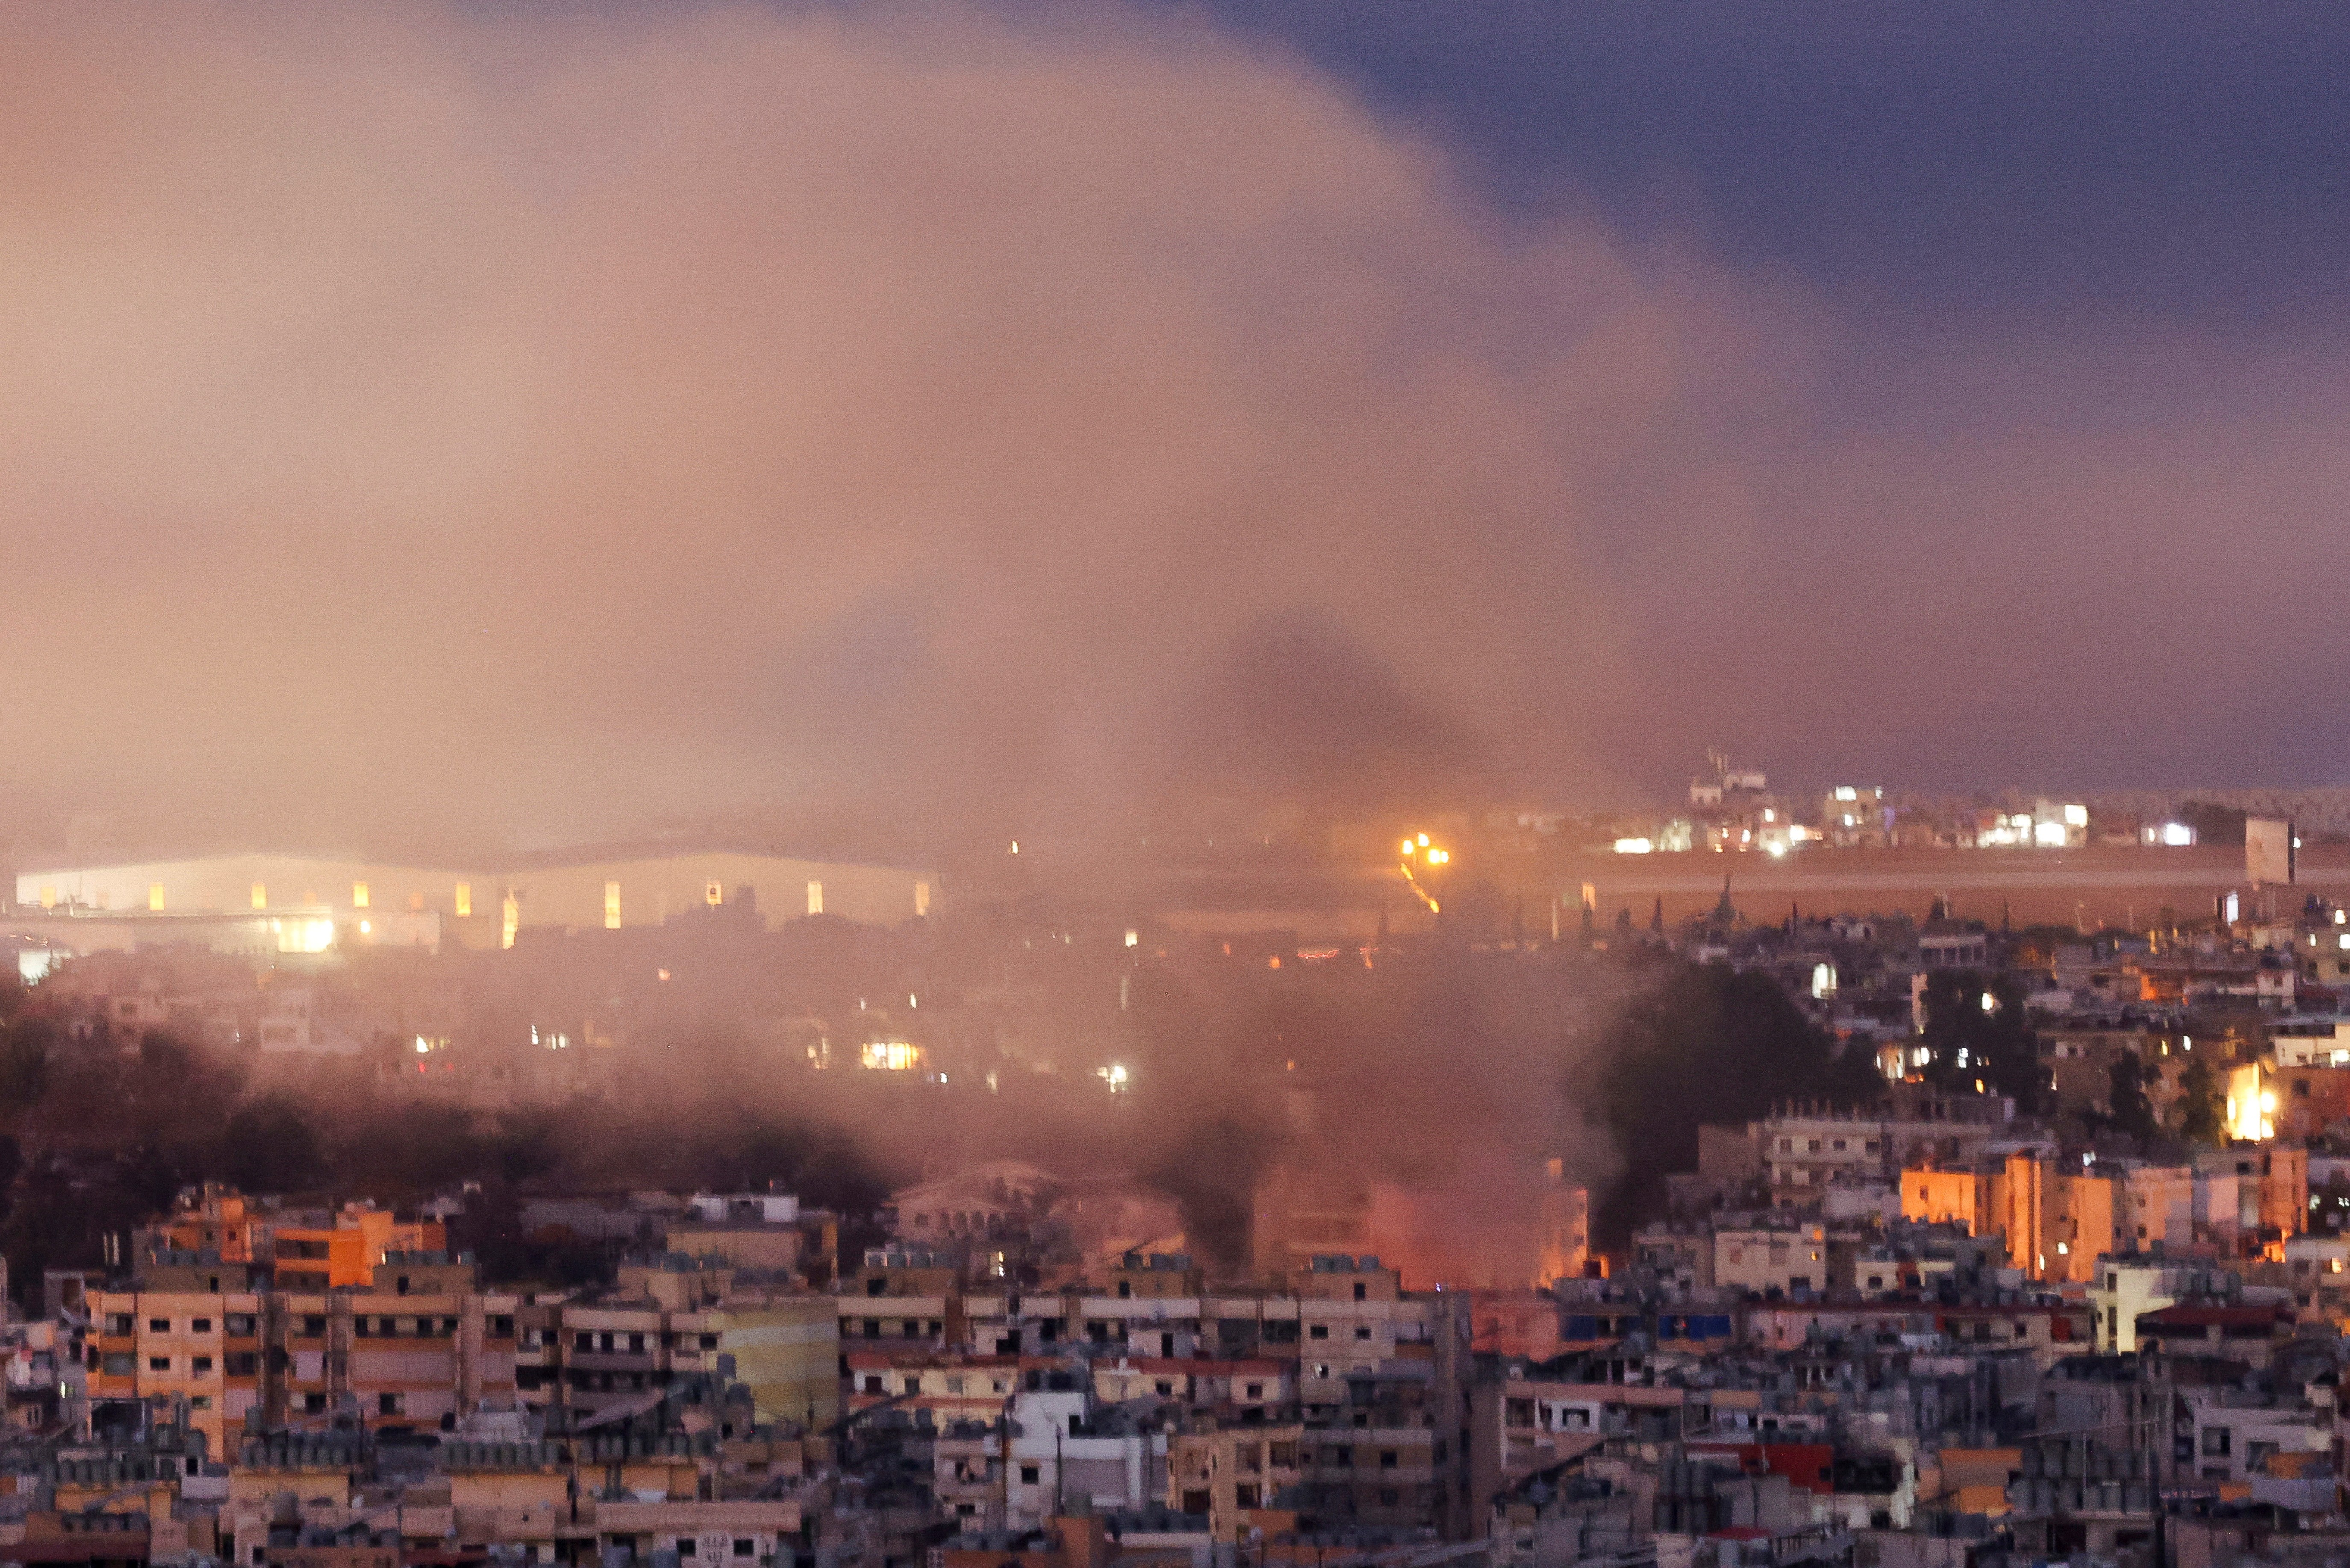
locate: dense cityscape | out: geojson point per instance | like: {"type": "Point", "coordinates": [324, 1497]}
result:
{"type": "Point", "coordinates": [1174, 784]}
{"type": "Point", "coordinates": [701, 1201]}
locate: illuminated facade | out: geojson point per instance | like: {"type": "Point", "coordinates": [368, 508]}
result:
{"type": "Point", "coordinates": [292, 904]}
{"type": "Point", "coordinates": [2054, 1224]}
{"type": "Point", "coordinates": [347, 1253]}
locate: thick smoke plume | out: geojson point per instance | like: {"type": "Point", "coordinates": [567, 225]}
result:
{"type": "Point", "coordinates": [435, 423]}
{"type": "Point", "coordinates": [448, 423]}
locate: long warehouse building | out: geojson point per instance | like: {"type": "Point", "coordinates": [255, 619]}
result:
{"type": "Point", "coordinates": [296, 903]}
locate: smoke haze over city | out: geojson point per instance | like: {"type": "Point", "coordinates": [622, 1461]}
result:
{"type": "Point", "coordinates": [496, 424]}
{"type": "Point", "coordinates": [1173, 784]}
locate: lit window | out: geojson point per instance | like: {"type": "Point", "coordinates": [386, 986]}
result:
{"type": "Point", "coordinates": [304, 936]}
{"type": "Point", "coordinates": [359, 896]}
{"type": "Point", "coordinates": [815, 897]}
{"type": "Point", "coordinates": [49, 898]}
{"type": "Point", "coordinates": [921, 899]}
{"type": "Point", "coordinates": [509, 921]}
{"type": "Point", "coordinates": [154, 895]}
{"type": "Point", "coordinates": [464, 900]}
{"type": "Point", "coordinates": [260, 896]}
{"type": "Point", "coordinates": [611, 906]}
{"type": "Point", "coordinates": [713, 894]}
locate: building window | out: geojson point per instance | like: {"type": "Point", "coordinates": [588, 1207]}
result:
{"type": "Point", "coordinates": [1029, 1474]}
{"type": "Point", "coordinates": [921, 899]}
{"type": "Point", "coordinates": [611, 906]}
{"type": "Point", "coordinates": [712, 894]}
{"type": "Point", "coordinates": [155, 897]}
{"type": "Point", "coordinates": [200, 1325]}
{"type": "Point", "coordinates": [159, 1325]}
{"type": "Point", "coordinates": [159, 1363]}
{"type": "Point", "coordinates": [260, 896]}
{"type": "Point", "coordinates": [200, 1364]}
{"type": "Point", "coordinates": [358, 895]}
{"type": "Point", "coordinates": [464, 900]}
{"type": "Point", "coordinates": [815, 897]}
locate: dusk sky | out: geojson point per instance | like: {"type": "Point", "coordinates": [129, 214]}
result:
{"type": "Point", "coordinates": [531, 420]}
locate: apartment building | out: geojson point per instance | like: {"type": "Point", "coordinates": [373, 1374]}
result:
{"type": "Point", "coordinates": [1805, 1155]}
{"type": "Point", "coordinates": [1236, 1475]}
{"type": "Point", "coordinates": [202, 1349]}
{"type": "Point", "coordinates": [395, 1356]}
{"type": "Point", "coordinates": [1782, 1259]}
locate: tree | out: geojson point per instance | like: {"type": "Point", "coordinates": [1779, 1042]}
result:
{"type": "Point", "coordinates": [2133, 1113]}
{"type": "Point", "coordinates": [269, 1146]}
{"type": "Point", "coordinates": [1976, 1033]}
{"type": "Point", "coordinates": [24, 1066]}
{"type": "Point", "coordinates": [2199, 1109]}
{"type": "Point", "coordinates": [1707, 1045]}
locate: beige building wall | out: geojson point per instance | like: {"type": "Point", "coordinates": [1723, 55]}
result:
{"type": "Point", "coordinates": [176, 1345]}
{"type": "Point", "coordinates": [305, 903]}
{"type": "Point", "coordinates": [232, 884]}
{"type": "Point", "coordinates": [786, 1351]}
{"type": "Point", "coordinates": [645, 892]}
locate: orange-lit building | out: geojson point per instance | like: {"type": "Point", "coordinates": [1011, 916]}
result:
{"type": "Point", "coordinates": [347, 1253]}
{"type": "Point", "coordinates": [221, 1223]}
{"type": "Point", "coordinates": [1959, 1197]}
{"type": "Point", "coordinates": [1516, 1323]}
{"type": "Point", "coordinates": [2054, 1224]}
{"type": "Point", "coordinates": [2076, 1228]}
{"type": "Point", "coordinates": [2311, 1099]}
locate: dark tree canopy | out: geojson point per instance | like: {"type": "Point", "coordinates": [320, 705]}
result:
{"type": "Point", "coordinates": [1977, 1032]}
{"type": "Point", "coordinates": [1707, 1045]}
